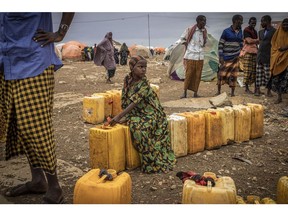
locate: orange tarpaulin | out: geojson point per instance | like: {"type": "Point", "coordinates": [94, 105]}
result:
{"type": "Point", "coordinates": [72, 50]}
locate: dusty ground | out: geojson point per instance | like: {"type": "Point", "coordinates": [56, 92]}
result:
{"type": "Point", "coordinates": [268, 155]}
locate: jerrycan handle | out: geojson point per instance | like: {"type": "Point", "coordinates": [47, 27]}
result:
{"type": "Point", "coordinates": [105, 175]}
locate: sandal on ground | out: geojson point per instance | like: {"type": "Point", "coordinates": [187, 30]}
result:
{"type": "Point", "coordinates": [23, 189]}
{"type": "Point", "coordinates": [47, 200]}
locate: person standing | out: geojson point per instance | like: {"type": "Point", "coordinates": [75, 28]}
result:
{"type": "Point", "coordinates": [116, 56]}
{"type": "Point", "coordinates": [279, 60]}
{"type": "Point", "coordinates": [104, 56]}
{"type": "Point", "coordinates": [146, 119]}
{"type": "Point", "coordinates": [263, 73]}
{"type": "Point", "coordinates": [194, 38]}
{"type": "Point", "coordinates": [124, 52]}
{"type": "Point", "coordinates": [230, 44]}
{"type": "Point", "coordinates": [27, 65]}
{"type": "Point", "coordinates": [249, 51]}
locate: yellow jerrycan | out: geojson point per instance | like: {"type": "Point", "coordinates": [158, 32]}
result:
{"type": "Point", "coordinates": [242, 117]}
{"type": "Point", "coordinates": [195, 131]}
{"type": "Point", "coordinates": [107, 147]}
{"type": "Point", "coordinates": [116, 101]}
{"type": "Point", "coordinates": [282, 190]}
{"type": "Point", "coordinates": [132, 156]}
{"type": "Point", "coordinates": [103, 187]}
{"type": "Point", "coordinates": [108, 101]}
{"type": "Point", "coordinates": [257, 120]}
{"type": "Point", "coordinates": [93, 109]}
{"type": "Point", "coordinates": [178, 133]}
{"type": "Point", "coordinates": [227, 118]}
{"type": "Point", "coordinates": [213, 129]}
{"type": "Point", "coordinates": [224, 191]}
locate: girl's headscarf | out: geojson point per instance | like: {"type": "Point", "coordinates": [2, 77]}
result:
{"type": "Point", "coordinates": [128, 79]}
{"type": "Point", "coordinates": [133, 61]}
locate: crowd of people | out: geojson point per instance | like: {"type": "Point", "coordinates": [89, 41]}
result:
{"type": "Point", "coordinates": [263, 55]}
{"type": "Point", "coordinates": [27, 86]}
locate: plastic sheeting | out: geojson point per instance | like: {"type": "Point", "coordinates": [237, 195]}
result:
{"type": "Point", "coordinates": [174, 54]}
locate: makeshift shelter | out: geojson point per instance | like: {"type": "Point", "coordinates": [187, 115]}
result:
{"type": "Point", "coordinates": [72, 50]}
{"type": "Point", "coordinates": [175, 53]}
{"type": "Point", "coordinates": [159, 50]}
{"type": "Point", "coordinates": [139, 50]}
{"type": "Point", "coordinates": [58, 50]}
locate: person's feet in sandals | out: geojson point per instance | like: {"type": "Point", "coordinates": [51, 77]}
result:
{"type": "Point", "coordinates": [27, 188]}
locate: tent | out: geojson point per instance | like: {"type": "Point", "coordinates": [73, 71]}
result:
{"type": "Point", "coordinates": [72, 50]}
{"type": "Point", "coordinates": [139, 50]}
{"type": "Point", "coordinates": [159, 50]}
{"type": "Point", "coordinates": [174, 54]}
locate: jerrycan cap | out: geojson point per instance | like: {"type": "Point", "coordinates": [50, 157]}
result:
{"type": "Point", "coordinates": [108, 174]}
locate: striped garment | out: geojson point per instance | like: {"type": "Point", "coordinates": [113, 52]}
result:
{"type": "Point", "coordinates": [228, 73]}
{"type": "Point", "coordinates": [27, 108]}
{"type": "Point", "coordinates": [230, 44]}
{"type": "Point", "coordinates": [249, 68]}
{"type": "Point", "coordinates": [263, 75]}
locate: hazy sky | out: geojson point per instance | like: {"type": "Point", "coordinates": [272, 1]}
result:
{"type": "Point", "coordinates": [163, 29]}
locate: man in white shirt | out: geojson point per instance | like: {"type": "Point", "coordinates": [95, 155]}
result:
{"type": "Point", "coordinates": [194, 38]}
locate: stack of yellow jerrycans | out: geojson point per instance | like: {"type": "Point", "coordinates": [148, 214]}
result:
{"type": "Point", "coordinates": [223, 192]}
{"type": "Point", "coordinates": [103, 187]}
{"type": "Point", "coordinates": [112, 148]}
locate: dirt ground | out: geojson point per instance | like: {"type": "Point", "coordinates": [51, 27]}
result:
{"type": "Point", "coordinates": [268, 155]}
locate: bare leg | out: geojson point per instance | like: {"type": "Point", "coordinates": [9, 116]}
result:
{"type": "Point", "coordinates": [232, 91]}
{"type": "Point", "coordinates": [247, 90]}
{"type": "Point", "coordinates": [218, 89]}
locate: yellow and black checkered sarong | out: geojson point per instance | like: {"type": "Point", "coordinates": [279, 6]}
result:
{"type": "Point", "coordinates": [249, 68]}
{"type": "Point", "coordinates": [27, 106]}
